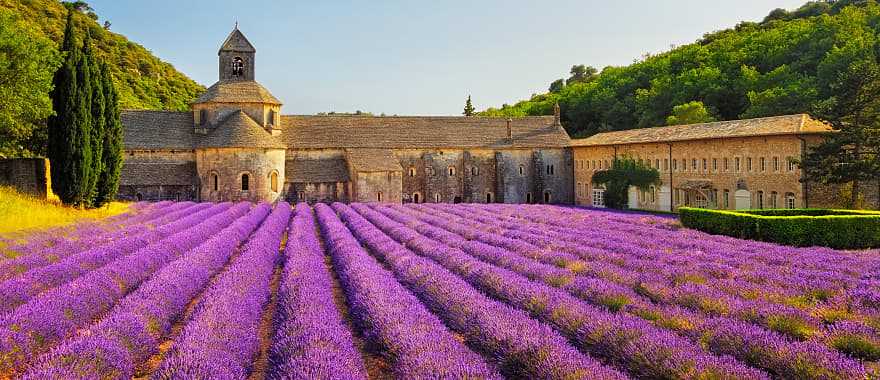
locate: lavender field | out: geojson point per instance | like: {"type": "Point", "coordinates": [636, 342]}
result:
{"type": "Point", "coordinates": [366, 291]}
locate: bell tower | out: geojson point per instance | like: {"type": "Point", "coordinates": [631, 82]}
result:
{"type": "Point", "coordinates": [237, 57]}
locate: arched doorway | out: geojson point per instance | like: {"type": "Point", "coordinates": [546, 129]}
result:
{"type": "Point", "coordinates": [416, 198]}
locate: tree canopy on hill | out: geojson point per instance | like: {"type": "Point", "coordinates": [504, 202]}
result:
{"type": "Point", "coordinates": [788, 63]}
{"type": "Point", "coordinates": [142, 80]}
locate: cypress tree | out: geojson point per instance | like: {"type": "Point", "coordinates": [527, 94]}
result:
{"type": "Point", "coordinates": [80, 142]}
{"type": "Point", "coordinates": [60, 125]}
{"type": "Point", "coordinates": [468, 107]}
{"type": "Point", "coordinates": [108, 181]}
{"type": "Point", "coordinates": [97, 118]}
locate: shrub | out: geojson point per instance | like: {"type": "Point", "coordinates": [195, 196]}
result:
{"type": "Point", "coordinates": [842, 229]}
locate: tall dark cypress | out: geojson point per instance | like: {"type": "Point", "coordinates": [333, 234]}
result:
{"type": "Point", "coordinates": [60, 125]}
{"type": "Point", "coordinates": [108, 182]}
{"type": "Point", "coordinates": [97, 118]}
{"type": "Point", "coordinates": [81, 137]}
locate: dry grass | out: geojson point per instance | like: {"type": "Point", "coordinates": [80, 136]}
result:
{"type": "Point", "coordinates": [20, 212]}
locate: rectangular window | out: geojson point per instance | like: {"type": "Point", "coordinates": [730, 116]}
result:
{"type": "Point", "coordinates": [694, 164]}
{"type": "Point", "coordinates": [726, 166]}
{"type": "Point", "coordinates": [736, 165]}
{"type": "Point", "coordinates": [657, 164]}
{"type": "Point", "coordinates": [674, 164]}
{"type": "Point", "coordinates": [791, 165]}
{"type": "Point", "coordinates": [749, 164]}
{"type": "Point", "coordinates": [598, 197]}
{"type": "Point", "coordinates": [726, 199]}
{"type": "Point", "coordinates": [715, 164]}
{"type": "Point", "coordinates": [665, 164]}
{"type": "Point", "coordinates": [763, 165]}
{"type": "Point", "coordinates": [775, 164]}
{"type": "Point", "coordinates": [789, 200]}
{"type": "Point", "coordinates": [705, 166]}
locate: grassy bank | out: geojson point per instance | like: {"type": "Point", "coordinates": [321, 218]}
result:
{"type": "Point", "coordinates": [20, 212]}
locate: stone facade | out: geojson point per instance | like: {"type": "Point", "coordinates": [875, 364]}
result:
{"type": "Point", "coordinates": [27, 175]}
{"type": "Point", "coordinates": [236, 174]}
{"type": "Point", "coordinates": [730, 170]}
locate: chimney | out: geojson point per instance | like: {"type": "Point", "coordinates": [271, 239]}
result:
{"type": "Point", "coordinates": [509, 131]}
{"type": "Point", "coordinates": [557, 115]}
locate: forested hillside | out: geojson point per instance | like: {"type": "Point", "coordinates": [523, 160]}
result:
{"type": "Point", "coordinates": [788, 63]}
{"type": "Point", "coordinates": [31, 32]}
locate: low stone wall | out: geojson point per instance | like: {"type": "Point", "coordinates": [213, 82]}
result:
{"type": "Point", "coordinates": [27, 175]}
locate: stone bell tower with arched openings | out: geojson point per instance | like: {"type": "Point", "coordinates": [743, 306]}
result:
{"type": "Point", "coordinates": [237, 57]}
{"type": "Point", "coordinates": [239, 155]}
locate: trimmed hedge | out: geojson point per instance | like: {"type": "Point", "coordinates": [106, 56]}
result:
{"type": "Point", "coordinates": [841, 229]}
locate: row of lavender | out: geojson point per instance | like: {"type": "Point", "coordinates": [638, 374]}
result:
{"type": "Point", "coordinates": [811, 297]}
{"type": "Point", "coordinates": [768, 336]}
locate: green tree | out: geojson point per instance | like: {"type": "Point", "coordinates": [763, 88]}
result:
{"type": "Point", "coordinates": [581, 73]}
{"type": "Point", "coordinates": [468, 107]}
{"type": "Point", "coordinates": [557, 86]}
{"type": "Point", "coordinates": [625, 172]}
{"type": "Point", "coordinates": [852, 155]}
{"type": "Point", "coordinates": [69, 138]}
{"type": "Point", "coordinates": [96, 129]}
{"type": "Point", "coordinates": [27, 63]}
{"type": "Point", "coordinates": [690, 113]}
{"type": "Point", "coordinates": [108, 181]}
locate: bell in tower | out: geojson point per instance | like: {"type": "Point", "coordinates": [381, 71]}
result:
{"type": "Point", "coordinates": [237, 57]}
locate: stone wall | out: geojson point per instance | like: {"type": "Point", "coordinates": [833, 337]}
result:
{"type": "Point", "coordinates": [27, 175]}
{"type": "Point", "coordinates": [155, 193]}
{"type": "Point", "coordinates": [316, 192]}
{"type": "Point", "coordinates": [229, 165]}
{"type": "Point", "coordinates": [377, 187]}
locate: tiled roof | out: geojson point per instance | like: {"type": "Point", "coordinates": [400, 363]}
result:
{"type": "Point", "coordinates": [136, 173]}
{"type": "Point", "coordinates": [373, 160]}
{"type": "Point", "coordinates": [237, 42]}
{"type": "Point", "coordinates": [302, 132]}
{"type": "Point", "coordinates": [174, 130]}
{"type": "Point", "coordinates": [238, 130]}
{"type": "Point", "coordinates": [316, 170]}
{"type": "Point", "coordinates": [237, 91]}
{"type": "Point", "coordinates": [157, 129]}
{"type": "Point", "coordinates": [768, 126]}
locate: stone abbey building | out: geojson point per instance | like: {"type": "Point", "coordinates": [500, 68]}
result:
{"type": "Point", "coordinates": [235, 144]}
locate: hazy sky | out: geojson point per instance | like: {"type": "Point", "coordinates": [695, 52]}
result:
{"type": "Point", "coordinates": [418, 57]}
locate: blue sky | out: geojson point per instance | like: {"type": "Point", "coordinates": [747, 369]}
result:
{"type": "Point", "coordinates": [418, 57]}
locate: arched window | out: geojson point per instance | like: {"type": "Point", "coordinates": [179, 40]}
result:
{"type": "Point", "coordinates": [773, 196]}
{"type": "Point", "coordinates": [436, 197]}
{"type": "Point", "coordinates": [237, 67]}
{"type": "Point", "coordinates": [379, 196]}
{"type": "Point", "coordinates": [245, 182]}
{"type": "Point", "coordinates": [451, 171]}
{"type": "Point", "coordinates": [412, 172]}
{"type": "Point", "coordinates": [488, 197]}
{"type": "Point", "coordinates": [522, 170]}
{"type": "Point", "coordinates": [273, 182]}
{"type": "Point", "coordinates": [580, 190]}
{"type": "Point", "coordinates": [417, 198]}
{"type": "Point", "coordinates": [215, 181]}
{"type": "Point", "coordinates": [475, 171]}
{"type": "Point", "coordinates": [653, 194]}
{"type": "Point", "coordinates": [760, 199]}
